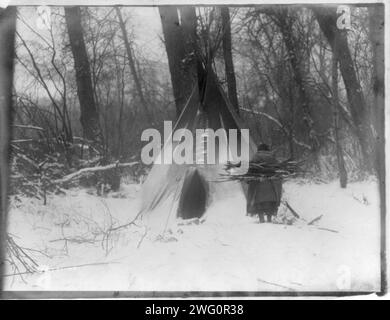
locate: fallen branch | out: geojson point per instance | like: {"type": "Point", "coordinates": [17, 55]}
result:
{"type": "Point", "coordinates": [124, 226]}
{"type": "Point", "coordinates": [295, 214]}
{"type": "Point", "coordinates": [18, 258]}
{"type": "Point", "coordinates": [310, 223]}
{"type": "Point", "coordinates": [326, 229]}
{"type": "Point", "coordinates": [60, 268]}
{"type": "Point", "coordinates": [142, 238]}
{"type": "Point", "coordinates": [22, 140]}
{"type": "Point", "coordinates": [28, 127]}
{"type": "Point", "coordinates": [78, 240]}
{"type": "Point", "coordinates": [27, 160]}
{"type": "Point", "coordinates": [275, 284]}
{"type": "Point", "coordinates": [362, 201]}
{"type": "Point", "coordinates": [83, 171]}
{"type": "Point", "coordinates": [315, 220]}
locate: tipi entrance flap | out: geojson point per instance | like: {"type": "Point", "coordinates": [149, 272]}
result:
{"type": "Point", "coordinates": [194, 196]}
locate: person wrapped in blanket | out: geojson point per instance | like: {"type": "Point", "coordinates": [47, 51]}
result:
{"type": "Point", "coordinates": [264, 195]}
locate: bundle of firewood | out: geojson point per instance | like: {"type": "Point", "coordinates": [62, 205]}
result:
{"type": "Point", "coordinates": [264, 171]}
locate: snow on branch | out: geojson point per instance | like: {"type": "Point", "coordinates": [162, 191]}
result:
{"type": "Point", "coordinates": [83, 171]}
{"type": "Point", "coordinates": [278, 123]}
{"type": "Point", "coordinates": [27, 127]}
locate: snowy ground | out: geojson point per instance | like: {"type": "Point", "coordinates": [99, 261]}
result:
{"type": "Point", "coordinates": [226, 253]}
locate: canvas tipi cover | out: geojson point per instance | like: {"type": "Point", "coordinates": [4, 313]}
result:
{"type": "Point", "coordinates": [185, 191]}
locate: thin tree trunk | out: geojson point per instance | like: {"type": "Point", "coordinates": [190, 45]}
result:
{"type": "Point", "coordinates": [327, 18]}
{"type": "Point", "coordinates": [181, 52]}
{"type": "Point", "coordinates": [89, 113]}
{"type": "Point", "coordinates": [339, 152]}
{"type": "Point", "coordinates": [7, 44]}
{"type": "Point", "coordinates": [40, 78]}
{"type": "Point", "coordinates": [228, 57]}
{"type": "Point", "coordinates": [120, 117]}
{"type": "Point", "coordinates": [132, 64]}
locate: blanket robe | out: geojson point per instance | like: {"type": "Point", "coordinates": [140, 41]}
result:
{"type": "Point", "coordinates": [264, 196]}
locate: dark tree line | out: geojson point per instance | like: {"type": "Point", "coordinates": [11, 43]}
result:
{"type": "Point", "coordinates": [304, 86]}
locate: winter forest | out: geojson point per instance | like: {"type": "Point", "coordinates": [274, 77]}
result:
{"type": "Point", "coordinates": [307, 80]}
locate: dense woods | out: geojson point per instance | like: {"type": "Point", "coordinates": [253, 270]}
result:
{"type": "Point", "coordinates": [85, 90]}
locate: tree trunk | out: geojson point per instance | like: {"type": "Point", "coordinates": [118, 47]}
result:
{"type": "Point", "coordinates": [227, 55]}
{"type": "Point", "coordinates": [7, 43]}
{"type": "Point", "coordinates": [327, 18]}
{"type": "Point", "coordinates": [89, 113]}
{"type": "Point", "coordinates": [284, 22]}
{"type": "Point", "coordinates": [377, 25]}
{"type": "Point", "coordinates": [132, 64]}
{"type": "Point", "coordinates": [377, 40]}
{"type": "Point", "coordinates": [182, 59]}
{"type": "Point", "coordinates": [339, 152]}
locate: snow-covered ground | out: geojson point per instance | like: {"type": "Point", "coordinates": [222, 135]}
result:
{"type": "Point", "coordinates": [228, 252]}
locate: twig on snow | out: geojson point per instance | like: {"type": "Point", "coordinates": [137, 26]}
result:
{"type": "Point", "coordinates": [142, 238]}
{"type": "Point", "coordinates": [327, 229]}
{"type": "Point", "coordinates": [295, 214]}
{"type": "Point", "coordinates": [275, 284]}
{"type": "Point", "coordinates": [60, 268]}
{"type": "Point", "coordinates": [315, 220]}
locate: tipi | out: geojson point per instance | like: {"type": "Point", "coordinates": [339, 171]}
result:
{"type": "Point", "coordinates": [173, 191]}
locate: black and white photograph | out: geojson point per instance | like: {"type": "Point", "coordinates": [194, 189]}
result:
{"type": "Point", "coordinates": [192, 150]}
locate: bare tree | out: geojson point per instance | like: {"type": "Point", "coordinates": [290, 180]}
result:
{"type": "Point", "coordinates": [228, 57]}
{"type": "Point", "coordinates": [89, 113]}
{"type": "Point", "coordinates": [7, 43]}
{"type": "Point", "coordinates": [327, 18]}
{"type": "Point", "coordinates": [132, 63]}
{"type": "Point", "coordinates": [47, 76]}
{"type": "Point", "coordinates": [284, 20]}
